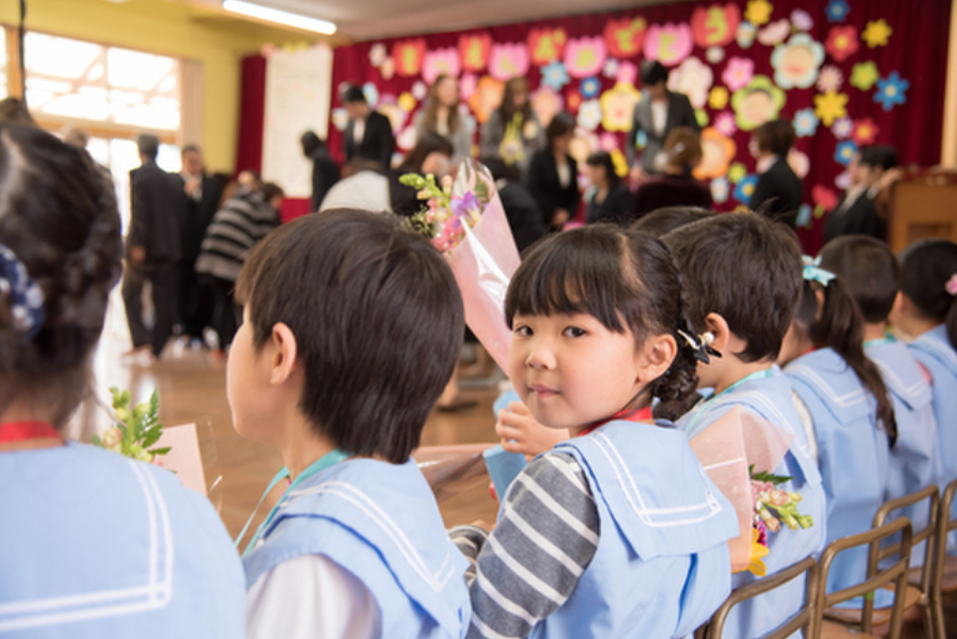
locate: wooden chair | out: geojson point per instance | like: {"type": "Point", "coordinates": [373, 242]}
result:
{"type": "Point", "coordinates": [944, 566]}
{"type": "Point", "coordinates": [894, 575]}
{"type": "Point", "coordinates": [803, 619]}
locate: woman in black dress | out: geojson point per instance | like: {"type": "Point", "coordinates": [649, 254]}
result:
{"type": "Point", "coordinates": [779, 192]}
{"type": "Point", "coordinates": [553, 173]}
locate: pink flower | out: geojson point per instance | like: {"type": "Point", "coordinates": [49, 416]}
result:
{"type": "Point", "coordinates": [441, 62]}
{"type": "Point", "coordinates": [585, 57]}
{"type": "Point", "coordinates": [668, 44]}
{"type": "Point", "coordinates": [725, 124]}
{"type": "Point", "coordinates": [738, 73]}
{"type": "Point", "coordinates": [951, 286]}
{"type": "Point", "coordinates": [773, 525]}
{"type": "Point", "coordinates": [509, 60]}
{"type": "Point", "coordinates": [779, 498]}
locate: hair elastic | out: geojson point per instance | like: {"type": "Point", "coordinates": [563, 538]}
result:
{"type": "Point", "coordinates": [703, 351]}
{"type": "Point", "coordinates": [814, 273]}
{"type": "Point", "coordinates": [951, 285]}
{"type": "Point", "coordinates": [25, 295]}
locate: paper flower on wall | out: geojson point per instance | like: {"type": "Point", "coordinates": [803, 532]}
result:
{"type": "Point", "coordinates": [396, 114]}
{"type": "Point", "coordinates": [408, 56]}
{"type": "Point", "coordinates": [573, 99]}
{"type": "Point", "coordinates": [775, 33]}
{"type": "Point", "coordinates": [715, 25]}
{"type": "Point", "coordinates": [864, 75]}
{"type": "Point", "coordinates": [508, 60]}
{"type": "Point", "coordinates": [419, 90]}
{"type": "Point", "coordinates": [668, 44]}
{"type": "Point", "coordinates": [737, 172]}
{"type": "Point", "coordinates": [590, 87]}
{"type": "Point", "coordinates": [487, 98]}
{"type": "Point", "coordinates": [546, 45]}
{"type": "Point", "coordinates": [799, 163]}
{"type": "Point", "coordinates": [620, 162]}
{"type": "Point", "coordinates": [877, 33]}
{"type": "Point", "coordinates": [377, 54]}
{"type": "Point", "coordinates": [758, 12]}
{"type": "Point", "coordinates": [610, 70]}
{"type": "Point", "coordinates": [555, 76]}
{"type": "Point", "coordinates": [641, 139]}
{"type": "Point", "coordinates": [725, 124]}
{"type": "Point", "coordinates": [589, 115]}
{"type": "Point", "coordinates": [842, 42]}
{"type": "Point", "coordinates": [830, 106]}
{"type": "Point", "coordinates": [467, 85]}
{"type": "Point", "coordinates": [441, 62]}
{"type": "Point", "coordinates": [717, 151]}
{"type": "Point", "coordinates": [718, 98]}
{"type": "Point", "coordinates": [757, 103]}
{"type": "Point", "coordinates": [585, 57]}
{"type": "Point", "coordinates": [837, 10]}
{"type": "Point", "coordinates": [843, 128]}
{"type": "Point", "coordinates": [720, 190]}
{"type": "Point", "coordinates": [843, 180]}
{"type": "Point", "coordinates": [582, 145]}
{"type": "Point", "coordinates": [624, 38]}
{"type": "Point", "coordinates": [738, 73]}
{"type": "Point", "coordinates": [802, 20]}
{"type": "Point", "coordinates": [388, 68]}
{"type": "Point", "coordinates": [796, 63]}
{"type": "Point", "coordinates": [627, 73]}
{"type": "Point", "coordinates": [823, 196]}
{"type": "Point", "coordinates": [865, 131]}
{"type": "Point", "coordinates": [608, 142]}
{"type": "Point", "coordinates": [830, 79]}
{"type": "Point", "coordinates": [371, 93]}
{"type": "Point", "coordinates": [407, 101]}
{"type": "Point", "coordinates": [714, 55]}
{"type": "Point", "coordinates": [340, 118]}
{"type": "Point", "coordinates": [805, 123]}
{"type": "Point", "coordinates": [744, 35]}
{"type": "Point", "coordinates": [406, 139]}
{"type": "Point", "coordinates": [618, 107]}
{"type": "Point", "coordinates": [474, 49]}
{"type": "Point", "coordinates": [804, 220]}
{"type": "Point", "coordinates": [547, 103]}
{"type": "Point", "coordinates": [701, 117]}
{"type": "Point", "coordinates": [891, 91]}
{"type": "Point", "coordinates": [744, 191]}
{"type": "Point", "coordinates": [693, 78]}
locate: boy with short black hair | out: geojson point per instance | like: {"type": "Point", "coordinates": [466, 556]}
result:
{"type": "Point", "coordinates": [352, 328]}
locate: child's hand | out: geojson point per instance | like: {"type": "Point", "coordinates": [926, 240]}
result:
{"type": "Point", "coordinates": [520, 432]}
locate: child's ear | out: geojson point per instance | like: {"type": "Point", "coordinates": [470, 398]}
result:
{"type": "Point", "coordinates": [718, 326]}
{"type": "Point", "coordinates": [284, 355]}
{"type": "Point", "coordinates": [659, 353]}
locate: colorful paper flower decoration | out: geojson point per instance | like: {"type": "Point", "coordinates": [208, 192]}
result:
{"type": "Point", "coordinates": [717, 151]}
{"type": "Point", "coordinates": [725, 124]}
{"type": "Point", "coordinates": [467, 85]}
{"type": "Point", "coordinates": [714, 55]}
{"type": "Point", "coordinates": [547, 103]}
{"type": "Point", "coordinates": [377, 54]}
{"type": "Point", "coordinates": [396, 114]}
{"type": "Point", "coordinates": [805, 123]}
{"type": "Point", "coordinates": [668, 44]}
{"type": "Point", "coordinates": [408, 55]}
{"type": "Point", "coordinates": [487, 98]}
{"type": "Point", "coordinates": [701, 117]}
{"type": "Point", "coordinates": [624, 38]}
{"type": "Point", "coordinates": [799, 163]}
{"type": "Point", "coordinates": [796, 63]}
{"type": "Point", "coordinates": [388, 68]}
{"type": "Point", "coordinates": [590, 87]}
{"type": "Point", "coordinates": [876, 33]}
{"type": "Point", "coordinates": [641, 139]}
{"type": "Point", "coordinates": [474, 48]}
{"type": "Point", "coordinates": [627, 73]}
{"type": "Point", "coordinates": [804, 220]}
{"type": "Point", "coordinates": [340, 118]}
{"type": "Point", "coordinates": [775, 33]}
{"type": "Point", "coordinates": [830, 107]}
{"type": "Point", "coordinates": [574, 100]}
{"type": "Point", "coordinates": [823, 196]}
{"type": "Point", "coordinates": [843, 180]}
{"type": "Point", "coordinates": [758, 12]}
{"type": "Point", "coordinates": [419, 90]}
{"type": "Point", "coordinates": [610, 70]}
{"type": "Point", "coordinates": [371, 93]}
{"type": "Point", "coordinates": [508, 60]}
{"type": "Point", "coordinates": [744, 35]}
{"type": "Point", "coordinates": [720, 190]}
{"type": "Point", "coordinates": [865, 131]}
{"type": "Point", "coordinates": [715, 25]}
{"type": "Point", "coordinates": [802, 20]}
{"type": "Point", "coordinates": [441, 62]}
{"type": "Point", "coordinates": [842, 42]}
{"type": "Point", "coordinates": [844, 152]}
{"type": "Point", "coordinates": [407, 102]}
{"type": "Point", "coordinates": [585, 57]}
{"type": "Point", "coordinates": [555, 76]}
{"type": "Point", "coordinates": [738, 73]}
{"type": "Point", "coordinates": [546, 45]}
{"type": "Point", "coordinates": [837, 10]}
{"type": "Point", "coordinates": [757, 103]}
{"type": "Point", "coordinates": [830, 79]}
{"type": "Point", "coordinates": [891, 91]}
{"type": "Point", "coordinates": [620, 162]}
{"type": "Point", "coordinates": [582, 145]}
{"type": "Point", "coordinates": [745, 189]}
{"type": "Point", "coordinates": [737, 172]}
{"type": "Point", "coordinates": [864, 75]}
{"type": "Point", "coordinates": [718, 98]}
{"type": "Point", "coordinates": [843, 128]}
{"type": "Point", "coordinates": [618, 107]}
{"type": "Point", "coordinates": [608, 142]}
{"type": "Point", "coordinates": [693, 78]}
{"type": "Point", "coordinates": [406, 139]}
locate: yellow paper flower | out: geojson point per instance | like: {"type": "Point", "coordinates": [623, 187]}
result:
{"type": "Point", "coordinates": [620, 162]}
{"type": "Point", "coordinates": [758, 552]}
{"type": "Point", "coordinates": [877, 33]}
{"type": "Point", "coordinates": [407, 102]}
{"type": "Point", "coordinates": [737, 172]}
{"type": "Point", "coordinates": [758, 12]}
{"type": "Point", "coordinates": [618, 107]}
{"type": "Point", "coordinates": [830, 106]}
{"type": "Point", "coordinates": [718, 99]}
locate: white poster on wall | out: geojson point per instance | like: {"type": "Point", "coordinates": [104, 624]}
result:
{"type": "Point", "coordinates": [298, 93]}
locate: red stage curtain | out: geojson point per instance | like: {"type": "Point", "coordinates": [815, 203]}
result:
{"type": "Point", "coordinates": [252, 105]}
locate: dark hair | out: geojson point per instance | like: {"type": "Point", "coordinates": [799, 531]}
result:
{"type": "Point", "coordinates": [562, 124]}
{"type": "Point", "coordinates": [926, 268]}
{"type": "Point", "coordinates": [429, 143]}
{"type": "Point", "coordinates": [879, 156]}
{"type": "Point", "coordinates": [148, 145]}
{"type": "Point", "coordinates": [507, 109]}
{"type": "Point", "coordinates": [311, 143]}
{"type": "Point", "coordinates": [838, 325]}
{"type": "Point", "coordinates": [745, 268]}
{"type": "Point", "coordinates": [378, 322]}
{"type": "Point", "coordinates": [689, 153]}
{"type": "Point", "coordinates": [432, 107]}
{"type": "Point", "coordinates": [14, 111]}
{"type": "Point", "coordinates": [776, 136]}
{"type": "Point", "coordinates": [662, 221]}
{"type": "Point", "coordinates": [612, 275]}
{"type": "Point", "coordinates": [58, 215]}
{"type": "Point", "coordinates": [869, 270]}
{"type": "Point", "coordinates": [190, 148]}
{"type": "Point", "coordinates": [271, 190]}
{"type": "Point", "coordinates": [603, 159]}
{"type": "Point", "coordinates": [500, 170]}
{"type": "Point", "coordinates": [653, 72]}
{"type": "Point", "coordinates": [353, 93]}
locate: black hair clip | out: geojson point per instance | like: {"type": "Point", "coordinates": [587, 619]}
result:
{"type": "Point", "coordinates": [703, 351]}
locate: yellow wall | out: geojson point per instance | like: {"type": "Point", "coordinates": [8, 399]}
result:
{"type": "Point", "coordinates": [168, 28]}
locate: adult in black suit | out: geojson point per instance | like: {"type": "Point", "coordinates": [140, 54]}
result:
{"type": "Point", "coordinates": [656, 115]}
{"type": "Point", "coordinates": [202, 200]}
{"type": "Point", "coordinates": [154, 247]}
{"type": "Point", "coordinates": [369, 133]}
{"type": "Point", "coordinates": [325, 173]}
{"type": "Point", "coordinates": [553, 173]}
{"type": "Point", "coordinates": [779, 192]}
{"type": "Point", "coordinates": [856, 213]}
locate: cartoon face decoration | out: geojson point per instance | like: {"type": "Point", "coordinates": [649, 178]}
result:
{"type": "Point", "coordinates": [757, 103]}
{"type": "Point", "coordinates": [717, 151]}
{"type": "Point", "coordinates": [796, 63]}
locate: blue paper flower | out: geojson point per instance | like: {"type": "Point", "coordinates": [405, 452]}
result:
{"type": "Point", "coordinates": [555, 75]}
{"type": "Point", "coordinates": [837, 10]}
{"type": "Point", "coordinates": [371, 93]}
{"type": "Point", "coordinates": [891, 90]}
{"type": "Point", "coordinates": [804, 219]}
{"type": "Point", "coordinates": [641, 139]}
{"type": "Point", "coordinates": [590, 87]}
{"type": "Point", "coordinates": [720, 190]}
{"type": "Point", "coordinates": [745, 189]}
{"type": "Point", "coordinates": [805, 123]}
{"type": "Point", "coordinates": [845, 152]}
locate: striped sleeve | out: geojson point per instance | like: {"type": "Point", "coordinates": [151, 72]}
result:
{"type": "Point", "coordinates": [529, 565]}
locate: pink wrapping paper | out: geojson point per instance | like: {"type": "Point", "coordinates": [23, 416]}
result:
{"type": "Point", "coordinates": [452, 469]}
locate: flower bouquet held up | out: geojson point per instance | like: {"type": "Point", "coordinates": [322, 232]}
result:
{"type": "Point", "coordinates": [465, 220]}
{"type": "Point", "coordinates": [136, 430]}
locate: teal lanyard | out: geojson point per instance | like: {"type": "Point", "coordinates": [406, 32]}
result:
{"type": "Point", "coordinates": [326, 461]}
{"type": "Point", "coordinates": [765, 374]}
{"type": "Point", "coordinates": [890, 339]}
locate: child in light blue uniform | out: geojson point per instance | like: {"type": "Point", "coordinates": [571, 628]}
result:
{"type": "Point", "coordinates": [92, 545]}
{"type": "Point", "coordinates": [352, 328]}
{"type": "Point", "coordinates": [616, 532]}
{"type": "Point", "coordinates": [850, 410]}
{"type": "Point", "coordinates": [742, 276]}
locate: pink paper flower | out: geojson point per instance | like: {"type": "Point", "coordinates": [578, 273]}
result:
{"type": "Point", "coordinates": [842, 42]}
{"type": "Point", "coordinates": [467, 85]}
{"type": "Point", "coordinates": [738, 73]}
{"type": "Point", "coordinates": [509, 60]}
{"type": "Point", "coordinates": [585, 57]}
{"type": "Point", "coordinates": [441, 62]}
{"type": "Point", "coordinates": [830, 79]}
{"type": "Point", "coordinates": [725, 124]}
{"type": "Point", "coordinates": [668, 44]}
{"type": "Point", "coordinates": [951, 286]}
{"type": "Point", "coordinates": [627, 73]}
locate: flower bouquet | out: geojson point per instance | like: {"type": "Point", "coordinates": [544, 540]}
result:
{"type": "Point", "coordinates": [137, 428]}
{"type": "Point", "coordinates": [465, 220]}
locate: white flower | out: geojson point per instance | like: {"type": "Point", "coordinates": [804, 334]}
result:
{"type": "Point", "coordinates": [589, 115]}
{"type": "Point", "coordinates": [714, 55]}
{"type": "Point", "coordinates": [843, 128]}
{"type": "Point", "coordinates": [419, 90]}
{"type": "Point", "coordinates": [830, 79]}
{"type": "Point", "coordinates": [610, 70]}
{"type": "Point", "coordinates": [377, 54]}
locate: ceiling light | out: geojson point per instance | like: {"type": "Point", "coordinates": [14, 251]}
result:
{"type": "Point", "coordinates": [281, 17]}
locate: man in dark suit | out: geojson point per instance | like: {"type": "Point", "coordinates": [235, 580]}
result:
{"type": "Point", "coordinates": [658, 112]}
{"type": "Point", "coordinates": [369, 133]}
{"type": "Point", "coordinates": [856, 213]}
{"type": "Point", "coordinates": [154, 247]}
{"type": "Point", "coordinates": [202, 201]}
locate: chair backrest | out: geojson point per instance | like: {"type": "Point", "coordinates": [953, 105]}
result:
{"type": "Point", "coordinates": [894, 574]}
{"type": "Point", "coordinates": [803, 619]}
{"type": "Point", "coordinates": [927, 533]}
{"type": "Point", "coordinates": [945, 524]}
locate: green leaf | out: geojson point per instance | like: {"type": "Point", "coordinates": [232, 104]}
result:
{"type": "Point", "coordinates": [152, 436]}
{"type": "Point", "coordinates": [766, 476]}
{"type": "Point", "coordinates": [159, 451]}
{"type": "Point", "coordinates": [97, 441]}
